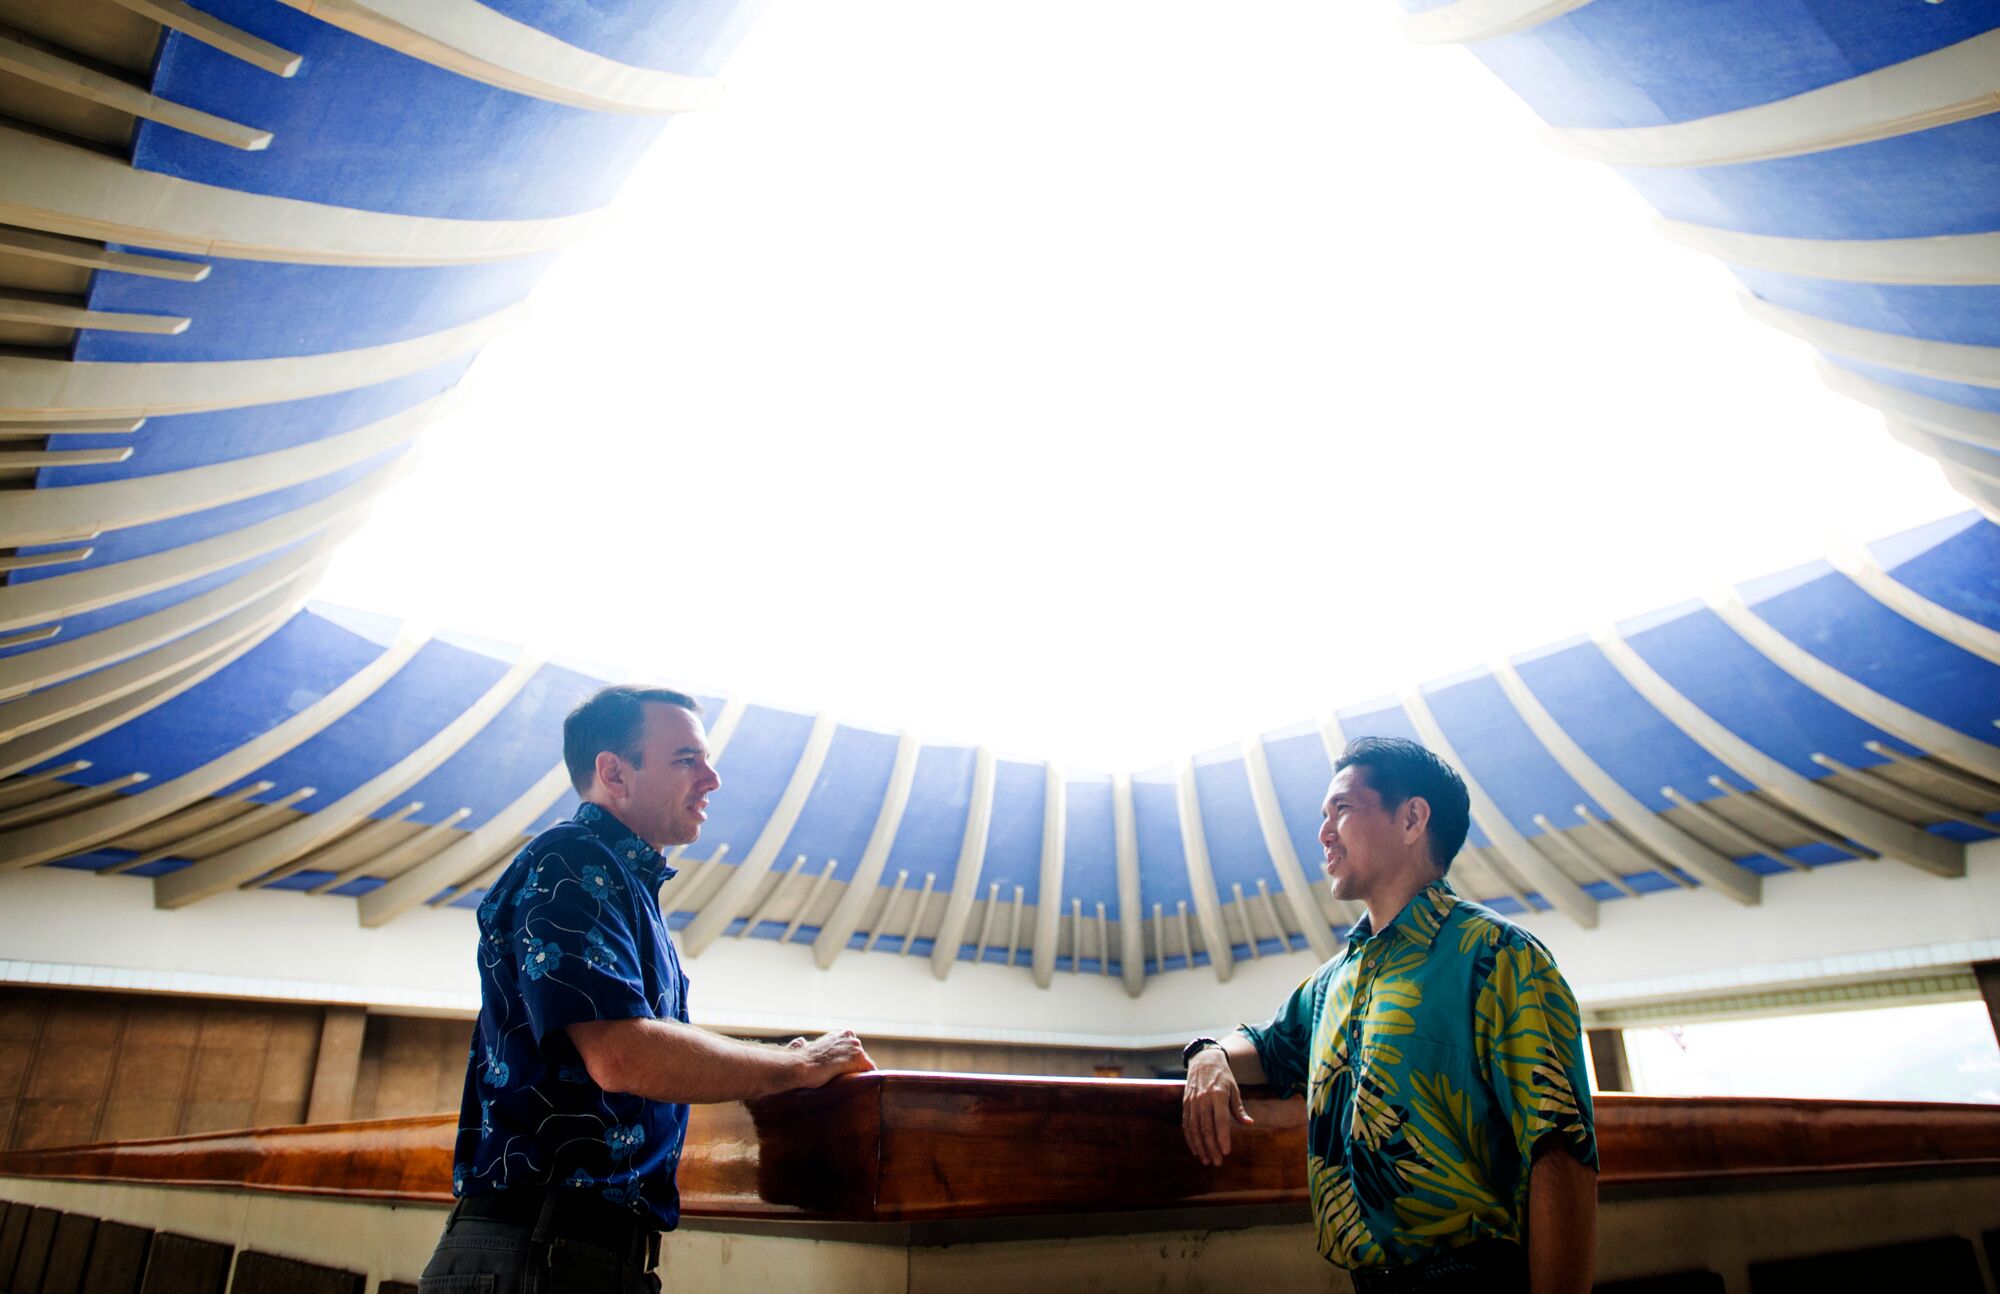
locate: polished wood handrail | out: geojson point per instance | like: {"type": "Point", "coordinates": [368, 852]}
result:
{"type": "Point", "coordinates": [908, 1147]}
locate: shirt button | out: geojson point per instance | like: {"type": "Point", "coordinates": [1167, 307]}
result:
{"type": "Point", "coordinates": [631, 853]}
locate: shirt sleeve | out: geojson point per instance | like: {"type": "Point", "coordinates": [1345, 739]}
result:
{"type": "Point", "coordinates": [574, 949]}
{"type": "Point", "coordinates": [1529, 1041]}
{"type": "Point", "coordinates": [1283, 1042]}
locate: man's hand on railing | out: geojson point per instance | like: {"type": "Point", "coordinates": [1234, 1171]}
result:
{"type": "Point", "coordinates": [829, 1056]}
{"type": "Point", "coordinates": [1211, 1102]}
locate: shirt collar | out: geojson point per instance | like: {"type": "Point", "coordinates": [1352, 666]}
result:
{"type": "Point", "coordinates": [1419, 921]}
{"type": "Point", "coordinates": [635, 853]}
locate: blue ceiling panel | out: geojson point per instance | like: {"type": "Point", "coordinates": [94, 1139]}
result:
{"type": "Point", "coordinates": [1163, 877]}
{"type": "Point", "coordinates": [296, 666]}
{"type": "Point", "coordinates": [1832, 618]}
{"type": "Point", "coordinates": [1014, 840]}
{"type": "Point", "coordinates": [508, 755]}
{"type": "Point", "coordinates": [1968, 315]}
{"type": "Point", "coordinates": [267, 309]}
{"type": "Point", "coordinates": [1940, 181]}
{"type": "Point", "coordinates": [363, 126]}
{"type": "Point", "coordinates": [692, 37]}
{"type": "Point", "coordinates": [1385, 718]}
{"type": "Point", "coordinates": [1236, 852]}
{"type": "Point", "coordinates": [1619, 729]}
{"type": "Point", "coordinates": [425, 696]}
{"type": "Point", "coordinates": [1985, 398]}
{"type": "Point", "coordinates": [175, 442]}
{"type": "Point", "coordinates": [174, 532]}
{"type": "Point", "coordinates": [90, 622]}
{"type": "Point", "coordinates": [1507, 760]}
{"type": "Point", "coordinates": [1616, 63]}
{"type": "Point", "coordinates": [1090, 844]}
{"type": "Point", "coordinates": [1951, 562]}
{"type": "Point", "coordinates": [933, 828]}
{"type": "Point", "coordinates": [1300, 771]}
{"type": "Point", "coordinates": [846, 799]}
{"type": "Point", "coordinates": [755, 768]}
{"type": "Point", "coordinates": [1739, 687]}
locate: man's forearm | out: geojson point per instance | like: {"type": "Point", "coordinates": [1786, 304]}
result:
{"type": "Point", "coordinates": [1562, 1223]}
{"type": "Point", "coordinates": [664, 1060]}
{"type": "Point", "coordinates": [1244, 1062]}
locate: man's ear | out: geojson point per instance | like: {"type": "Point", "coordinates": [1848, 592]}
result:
{"type": "Point", "coordinates": [1413, 818]}
{"type": "Point", "coordinates": [610, 771]}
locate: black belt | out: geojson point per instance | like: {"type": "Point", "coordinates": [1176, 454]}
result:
{"type": "Point", "coordinates": [557, 1216]}
{"type": "Point", "coordinates": [1488, 1265]}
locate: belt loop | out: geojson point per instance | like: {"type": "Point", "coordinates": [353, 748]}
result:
{"type": "Point", "coordinates": [545, 1224]}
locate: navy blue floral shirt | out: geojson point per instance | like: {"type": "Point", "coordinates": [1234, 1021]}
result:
{"type": "Point", "coordinates": [572, 931]}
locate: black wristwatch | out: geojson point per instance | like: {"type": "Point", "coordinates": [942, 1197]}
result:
{"type": "Point", "coordinates": [1189, 1052]}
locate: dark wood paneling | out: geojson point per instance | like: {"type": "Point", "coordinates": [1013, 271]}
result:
{"type": "Point", "coordinates": [269, 1274]}
{"type": "Point", "coordinates": [1946, 1265]}
{"type": "Point", "coordinates": [117, 1259]}
{"type": "Point", "coordinates": [34, 1259]}
{"type": "Point", "coordinates": [12, 1226]}
{"type": "Point", "coordinates": [183, 1265]}
{"type": "Point", "coordinates": [897, 1147]}
{"type": "Point", "coordinates": [396, 1287]}
{"type": "Point", "coordinates": [69, 1254]}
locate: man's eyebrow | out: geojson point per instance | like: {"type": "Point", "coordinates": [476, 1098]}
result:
{"type": "Point", "coordinates": [692, 750]}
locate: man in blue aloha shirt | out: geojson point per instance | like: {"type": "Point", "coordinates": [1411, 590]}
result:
{"type": "Point", "coordinates": [1449, 1138]}
{"type": "Point", "coordinates": [583, 1063]}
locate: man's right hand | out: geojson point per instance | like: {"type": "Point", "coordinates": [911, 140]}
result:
{"type": "Point", "coordinates": [830, 1055]}
{"type": "Point", "coordinates": [1210, 1103]}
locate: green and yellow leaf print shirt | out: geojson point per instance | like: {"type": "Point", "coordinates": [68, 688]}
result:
{"type": "Point", "coordinates": [1434, 1056]}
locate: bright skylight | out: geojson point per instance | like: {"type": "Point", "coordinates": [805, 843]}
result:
{"type": "Point", "coordinates": [1107, 382]}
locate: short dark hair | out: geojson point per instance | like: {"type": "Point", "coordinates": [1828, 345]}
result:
{"type": "Point", "coordinates": [614, 719]}
{"type": "Point", "coordinates": [1398, 770]}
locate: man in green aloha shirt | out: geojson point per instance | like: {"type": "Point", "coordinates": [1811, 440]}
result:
{"type": "Point", "coordinates": [1449, 1140]}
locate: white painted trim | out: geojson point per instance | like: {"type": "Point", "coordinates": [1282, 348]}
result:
{"type": "Point", "coordinates": [51, 705]}
{"type": "Point", "coordinates": [917, 914]}
{"type": "Point", "coordinates": [853, 902]}
{"type": "Point", "coordinates": [95, 256]}
{"type": "Point", "coordinates": [98, 389]}
{"type": "Point", "coordinates": [1956, 421]}
{"type": "Point", "coordinates": [71, 733]}
{"type": "Point", "coordinates": [252, 859]}
{"type": "Point", "coordinates": [1945, 361]}
{"type": "Point", "coordinates": [22, 306]}
{"type": "Point", "coordinates": [1278, 843]}
{"type": "Point", "coordinates": [720, 732]}
{"type": "Point", "coordinates": [10, 786]}
{"type": "Point", "coordinates": [423, 844]}
{"type": "Point", "coordinates": [195, 826]}
{"type": "Point", "coordinates": [810, 902]}
{"type": "Point", "coordinates": [1514, 848]}
{"type": "Point", "coordinates": [1952, 260]}
{"type": "Point", "coordinates": [1470, 20]}
{"type": "Point", "coordinates": [1888, 835]}
{"type": "Point", "coordinates": [1944, 772]}
{"type": "Point", "coordinates": [730, 901]}
{"type": "Point", "coordinates": [217, 34]}
{"type": "Point", "coordinates": [37, 459]}
{"type": "Point", "coordinates": [1948, 85]}
{"type": "Point", "coordinates": [401, 893]}
{"type": "Point", "coordinates": [32, 845]}
{"type": "Point", "coordinates": [1055, 861]}
{"type": "Point", "coordinates": [40, 601]}
{"type": "Point", "coordinates": [37, 561]}
{"type": "Point", "coordinates": [1201, 874]}
{"type": "Point", "coordinates": [1131, 916]}
{"type": "Point", "coordinates": [1743, 838]}
{"type": "Point", "coordinates": [363, 842]}
{"type": "Point", "coordinates": [971, 862]}
{"type": "Point", "coordinates": [42, 634]}
{"type": "Point", "coordinates": [64, 189]}
{"type": "Point", "coordinates": [487, 46]}
{"type": "Point", "coordinates": [64, 76]}
{"type": "Point", "coordinates": [1583, 858]}
{"type": "Point", "coordinates": [1856, 698]}
{"type": "Point", "coordinates": [45, 515]}
{"type": "Point", "coordinates": [23, 673]}
{"type": "Point", "coordinates": [1931, 809]}
{"type": "Point", "coordinates": [58, 425]}
{"type": "Point", "coordinates": [1976, 463]}
{"type": "Point", "coordinates": [888, 910]}
{"type": "Point", "coordinates": [1673, 844]}
{"type": "Point", "coordinates": [68, 801]}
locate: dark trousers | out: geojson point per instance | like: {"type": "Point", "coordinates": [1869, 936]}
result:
{"type": "Point", "coordinates": [503, 1255]}
{"type": "Point", "coordinates": [1483, 1267]}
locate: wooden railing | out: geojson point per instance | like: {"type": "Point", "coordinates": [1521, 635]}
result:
{"type": "Point", "coordinates": [905, 1147]}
